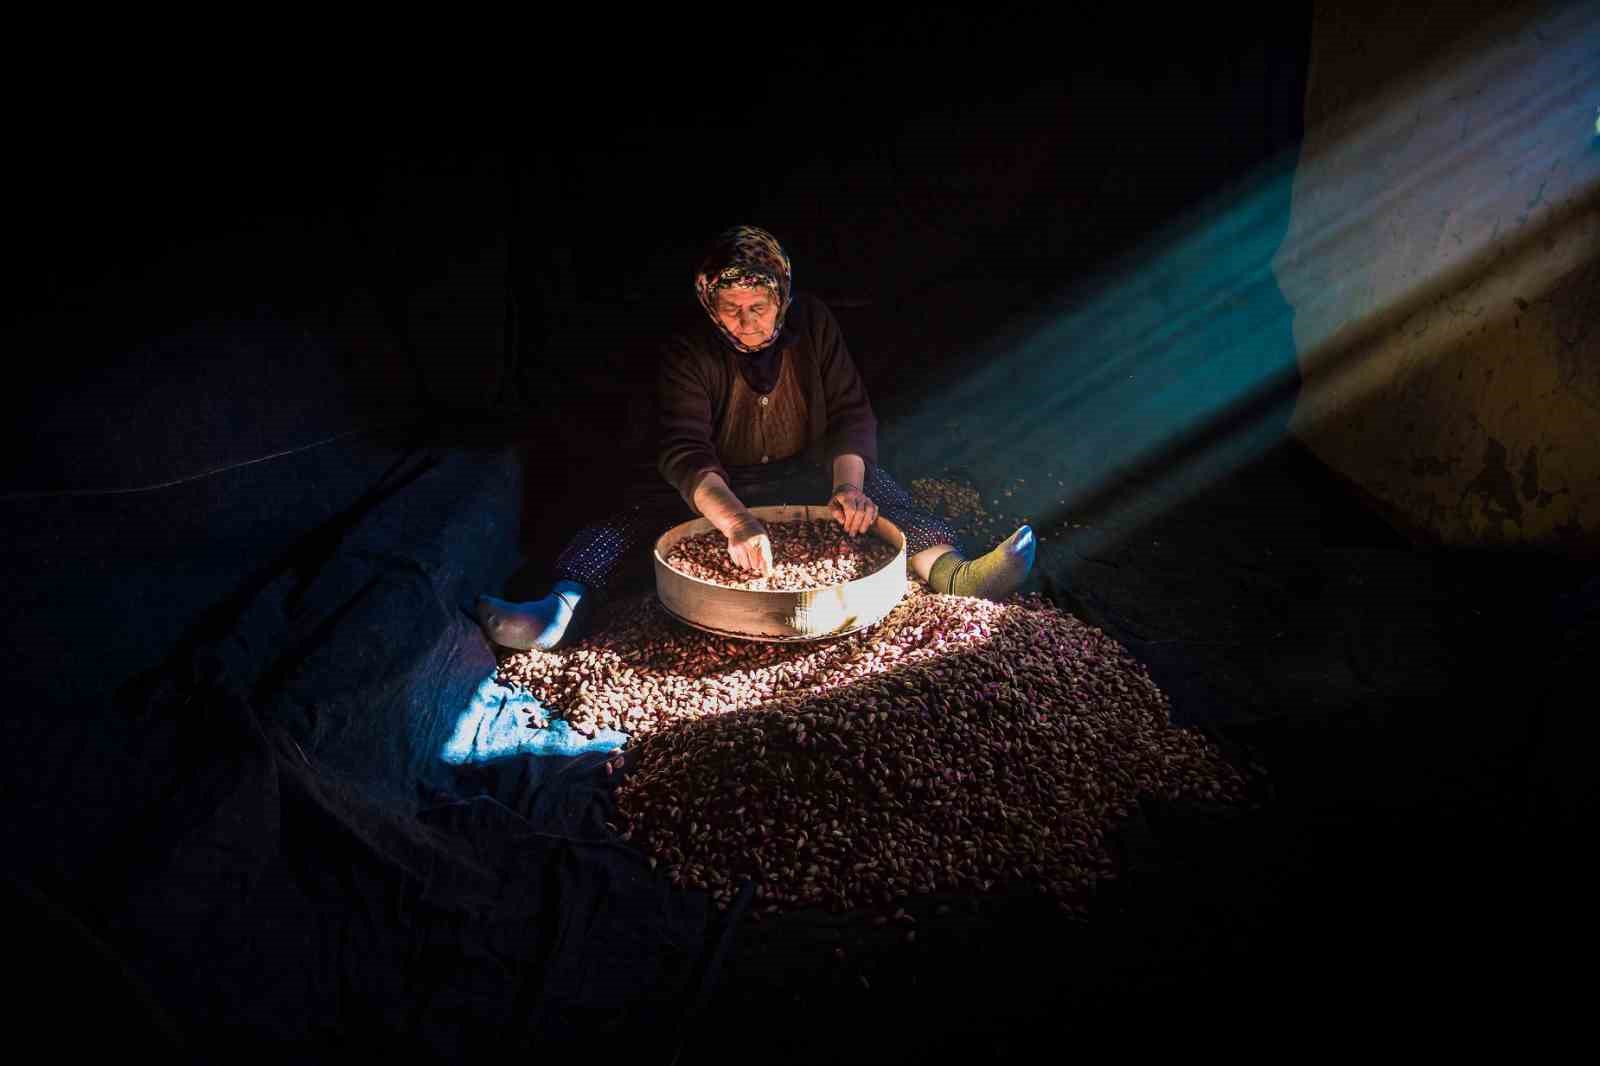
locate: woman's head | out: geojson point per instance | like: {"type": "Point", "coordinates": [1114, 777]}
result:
{"type": "Point", "coordinates": [744, 284]}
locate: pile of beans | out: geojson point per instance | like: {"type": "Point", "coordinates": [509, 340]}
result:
{"type": "Point", "coordinates": [954, 499]}
{"type": "Point", "coordinates": [961, 503]}
{"type": "Point", "coordinates": [805, 555]}
{"type": "Point", "coordinates": [957, 745]}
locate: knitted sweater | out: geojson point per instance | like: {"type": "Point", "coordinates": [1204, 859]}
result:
{"type": "Point", "coordinates": [695, 381]}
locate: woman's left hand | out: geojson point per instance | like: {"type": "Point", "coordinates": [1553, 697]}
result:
{"type": "Point", "coordinates": [853, 510]}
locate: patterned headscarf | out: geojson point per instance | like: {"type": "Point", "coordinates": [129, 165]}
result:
{"type": "Point", "coordinates": [744, 255]}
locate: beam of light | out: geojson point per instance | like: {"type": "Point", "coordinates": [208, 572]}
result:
{"type": "Point", "coordinates": [1176, 366]}
{"type": "Point", "coordinates": [1086, 389]}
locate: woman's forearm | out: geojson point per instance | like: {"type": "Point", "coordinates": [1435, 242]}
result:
{"type": "Point", "coordinates": [849, 470]}
{"type": "Point", "coordinates": [717, 503]}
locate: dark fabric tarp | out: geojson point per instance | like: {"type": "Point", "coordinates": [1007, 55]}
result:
{"type": "Point", "coordinates": [245, 838]}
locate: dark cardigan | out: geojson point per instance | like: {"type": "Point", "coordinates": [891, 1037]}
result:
{"type": "Point", "coordinates": [696, 378]}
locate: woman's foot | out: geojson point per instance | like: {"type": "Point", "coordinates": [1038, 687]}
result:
{"type": "Point", "coordinates": [535, 624]}
{"type": "Point", "coordinates": [992, 576]}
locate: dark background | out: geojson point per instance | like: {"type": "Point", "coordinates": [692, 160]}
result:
{"type": "Point", "coordinates": [481, 238]}
{"type": "Point", "coordinates": [254, 267]}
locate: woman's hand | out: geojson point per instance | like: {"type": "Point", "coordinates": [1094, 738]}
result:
{"type": "Point", "coordinates": [749, 546]}
{"type": "Point", "coordinates": [853, 509]}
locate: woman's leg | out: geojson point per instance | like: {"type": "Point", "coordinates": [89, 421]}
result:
{"type": "Point", "coordinates": [584, 573]}
{"type": "Point", "coordinates": [922, 562]}
{"type": "Point", "coordinates": [597, 552]}
{"type": "Point", "coordinates": [934, 548]}
{"type": "Point", "coordinates": [928, 536]}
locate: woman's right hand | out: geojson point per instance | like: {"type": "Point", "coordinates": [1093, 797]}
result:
{"type": "Point", "coordinates": [750, 547]}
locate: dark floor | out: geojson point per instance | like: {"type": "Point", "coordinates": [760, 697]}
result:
{"type": "Point", "coordinates": [1408, 868]}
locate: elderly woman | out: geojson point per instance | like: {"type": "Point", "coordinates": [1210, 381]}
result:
{"type": "Point", "coordinates": [756, 400]}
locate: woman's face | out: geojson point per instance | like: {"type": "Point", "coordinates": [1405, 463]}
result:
{"type": "Point", "coordinates": [749, 313]}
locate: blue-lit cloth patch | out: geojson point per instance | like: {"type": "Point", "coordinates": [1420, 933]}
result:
{"type": "Point", "coordinates": [495, 725]}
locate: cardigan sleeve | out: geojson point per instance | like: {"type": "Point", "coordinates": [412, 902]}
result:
{"type": "Point", "coordinates": [852, 428]}
{"type": "Point", "coordinates": [684, 391]}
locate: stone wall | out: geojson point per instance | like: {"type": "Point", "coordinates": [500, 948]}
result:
{"type": "Point", "coordinates": [1443, 263]}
